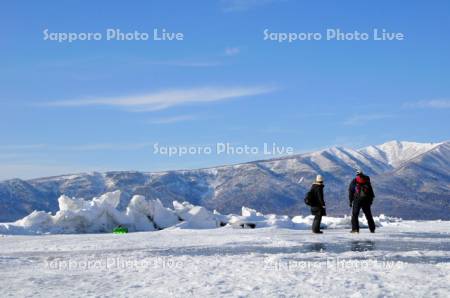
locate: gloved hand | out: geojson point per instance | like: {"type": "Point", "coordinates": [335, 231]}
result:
{"type": "Point", "coordinates": [351, 204]}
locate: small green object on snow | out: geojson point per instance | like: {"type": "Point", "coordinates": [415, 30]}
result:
{"type": "Point", "coordinates": [120, 230]}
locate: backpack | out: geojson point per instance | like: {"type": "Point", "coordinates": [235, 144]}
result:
{"type": "Point", "coordinates": [309, 198]}
{"type": "Point", "coordinates": [362, 189]}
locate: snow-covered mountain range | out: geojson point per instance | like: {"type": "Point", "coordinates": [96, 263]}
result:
{"type": "Point", "coordinates": [411, 180]}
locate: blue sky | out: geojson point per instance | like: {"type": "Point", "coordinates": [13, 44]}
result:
{"type": "Point", "coordinates": [101, 105]}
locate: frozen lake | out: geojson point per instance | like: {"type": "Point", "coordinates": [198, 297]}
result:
{"type": "Point", "coordinates": [407, 259]}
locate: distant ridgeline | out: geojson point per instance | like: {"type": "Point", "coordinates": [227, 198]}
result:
{"type": "Point", "coordinates": [411, 180]}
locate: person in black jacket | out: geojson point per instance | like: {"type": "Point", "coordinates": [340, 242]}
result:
{"type": "Point", "coordinates": [361, 195]}
{"type": "Point", "coordinates": [317, 203]}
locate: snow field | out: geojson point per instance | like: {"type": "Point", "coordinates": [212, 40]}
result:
{"type": "Point", "coordinates": [101, 215]}
{"type": "Point", "coordinates": [408, 259]}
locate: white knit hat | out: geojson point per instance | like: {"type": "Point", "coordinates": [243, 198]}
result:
{"type": "Point", "coordinates": [319, 179]}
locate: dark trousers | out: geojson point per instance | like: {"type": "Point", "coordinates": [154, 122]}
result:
{"type": "Point", "coordinates": [365, 206]}
{"type": "Point", "coordinates": [316, 223]}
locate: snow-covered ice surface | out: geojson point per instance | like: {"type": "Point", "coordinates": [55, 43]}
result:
{"type": "Point", "coordinates": [100, 214]}
{"type": "Point", "coordinates": [403, 259]}
{"type": "Point", "coordinates": [194, 256]}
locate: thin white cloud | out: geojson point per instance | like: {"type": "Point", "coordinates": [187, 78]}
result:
{"type": "Point", "coordinates": [171, 120]}
{"type": "Point", "coordinates": [166, 99]}
{"type": "Point", "coordinates": [11, 151]}
{"type": "Point", "coordinates": [232, 51]}
{"type": "Point", "coordinates": [432, 104]}
{"type": "Point", "coordinates": [104, 147]}
{"type": "Point", "coordinates": [22, 147]}
{"type": "Point", "coordinates": [36, 170]}
{"type": "Point", "coordinates": [243, 5]}
{"type": "Point", "coordinates": [364, 118]}
{"type": "Point", "coordinates": [9, 156]}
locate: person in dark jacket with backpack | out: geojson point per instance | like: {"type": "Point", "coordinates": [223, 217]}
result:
{"type": "Point", "coordinates": [315, 199]}
{"type": "Point", "coordinates": [361, 195]}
